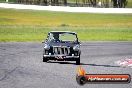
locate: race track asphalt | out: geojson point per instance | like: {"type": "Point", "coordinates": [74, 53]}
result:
{"type": "Point", "coordinates": [21, 65]}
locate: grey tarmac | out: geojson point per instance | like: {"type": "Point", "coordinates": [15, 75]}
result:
{"type": "Point", "coordinates": [21, 65]}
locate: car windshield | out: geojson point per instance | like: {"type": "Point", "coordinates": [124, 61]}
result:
{"type": "Point", "coordinates": [62, 37]}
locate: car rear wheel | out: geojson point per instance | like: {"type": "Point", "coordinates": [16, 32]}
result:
{"type": "Point", "coordinates": [45, 59]}
{"type": "Point", "coordinates": [78, 61]}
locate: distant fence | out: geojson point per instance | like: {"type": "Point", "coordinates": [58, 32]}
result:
{"type": "Point", "coordinates": [84, 3]}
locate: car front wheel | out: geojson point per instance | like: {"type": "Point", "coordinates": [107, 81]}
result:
{"type": "Point", "coordinates": [78, 61]}
{"type": "Point", "coordinates": [45, 59]}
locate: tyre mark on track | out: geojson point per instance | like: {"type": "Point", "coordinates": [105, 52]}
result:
{"type": "Point", "coordinates": [8, 73]}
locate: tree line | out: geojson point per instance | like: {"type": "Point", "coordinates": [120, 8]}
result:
{"type": "Point", "coordinates": [94, 3]}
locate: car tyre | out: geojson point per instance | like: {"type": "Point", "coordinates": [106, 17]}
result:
{"type": "Point", "coordinates": [45, 59]}
{"type": "Point", "coordinates": [78, 61]}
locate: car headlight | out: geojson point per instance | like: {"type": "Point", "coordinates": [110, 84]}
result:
{"type": "Point", "coordinates": [76, 48]}
{"type": "Point", "coordinates": [46, 46]}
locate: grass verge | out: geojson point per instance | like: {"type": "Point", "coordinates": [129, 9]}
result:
{"type": "Point", "coordinates": [29, 25]}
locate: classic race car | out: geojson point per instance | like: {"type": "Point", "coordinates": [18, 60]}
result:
{"type": "Point", "coordinates": [62, 45]}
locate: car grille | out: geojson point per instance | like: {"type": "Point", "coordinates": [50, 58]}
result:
{"type": "Point", "coordinates": [61, 50]}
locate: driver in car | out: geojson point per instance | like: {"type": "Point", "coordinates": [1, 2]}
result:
{"type": "Point", "coordinates": [56, 37]}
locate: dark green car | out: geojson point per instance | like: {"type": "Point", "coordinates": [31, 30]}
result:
{"type": "Point", "coordinates": [62, 46]}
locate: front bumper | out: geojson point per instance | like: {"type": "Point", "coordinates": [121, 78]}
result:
{"type": "Point", "coordinates": [61, 57]}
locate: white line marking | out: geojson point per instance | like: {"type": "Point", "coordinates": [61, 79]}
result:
{"type": "Point", "coordinates": [125, 63]}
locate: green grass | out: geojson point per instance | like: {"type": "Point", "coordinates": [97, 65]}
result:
{"type": "Point", "coordinates": [29, 25]}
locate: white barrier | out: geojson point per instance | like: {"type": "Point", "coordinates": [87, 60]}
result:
{"type": "Point", "coordinates": [67, 9]}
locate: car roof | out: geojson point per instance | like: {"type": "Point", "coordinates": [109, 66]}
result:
{"type": "Point", "coordinates": [62, 32]}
